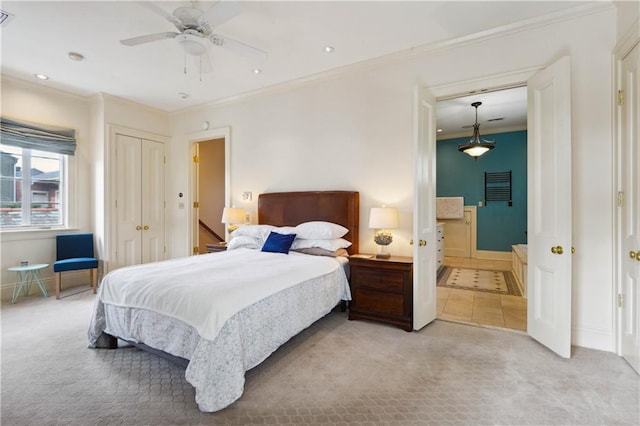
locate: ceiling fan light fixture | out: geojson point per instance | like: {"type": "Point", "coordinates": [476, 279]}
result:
{"type": "Point", "coordinates": [192, 44]}
{"type": "Point", "coordinates": [476, 145]}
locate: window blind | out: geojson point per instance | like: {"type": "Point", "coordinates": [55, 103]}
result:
{"type": "Point", "coordinates": [41, 137]}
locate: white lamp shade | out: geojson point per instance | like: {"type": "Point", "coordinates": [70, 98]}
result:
{"type": "Point", "coordinates": [383, 218]}
{"type": "Point", "coordinates": [232, 215]}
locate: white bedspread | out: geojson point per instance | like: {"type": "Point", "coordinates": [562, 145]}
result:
{"type": "Point", "coordinates": [205, 291]}
{"type": "Point", "coordinates": [217, 366]}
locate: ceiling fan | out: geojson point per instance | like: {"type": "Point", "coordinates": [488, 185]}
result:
{"type": "Point", "coordinates": [195, 31]}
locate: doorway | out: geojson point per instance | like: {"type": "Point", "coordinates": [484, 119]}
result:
{"type": "Point", "coordinates": [549, 213]}
{"type": "Point", "coordinates": [477, 284]}
{"type": "Point", "coordinates": [210, 196]}
{"type": "Point", "coordinates": [210, 172]}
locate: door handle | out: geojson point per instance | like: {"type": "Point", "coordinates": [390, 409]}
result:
{"type": "Point", "coordinates": [138, 228]}
{"type": "Point", "coordinates": [422, 243]}
{"type": "Point", "coordinates": [411, 242]}
{"type": "Point", "coordinates": [635, 255]}
{"type": "Point", "coordinates": [557, 250]}
{"type": "Point", "coordinates": [146, 227]}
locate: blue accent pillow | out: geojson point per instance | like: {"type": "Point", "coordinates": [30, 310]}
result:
{"type": "Point", "coordinates": [278, 243]}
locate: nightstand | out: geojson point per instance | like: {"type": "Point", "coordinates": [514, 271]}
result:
{"type": "Point", "coordinates": [214, 248]}
{"type": "Point", "coordinates": [382, 290]}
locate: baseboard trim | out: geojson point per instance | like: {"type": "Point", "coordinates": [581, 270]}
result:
{"type": "Point", "coordinates": [493, 255]}
{"type": "Point", "coordinates": [593, 339]}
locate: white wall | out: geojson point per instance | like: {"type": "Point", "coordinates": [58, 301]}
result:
{"type": "Point", "coordinates": [35, 102]}
{"type": "Point", "coordinates": [354, 131]}
{"type": "Point", "coordinates": [628, 16]}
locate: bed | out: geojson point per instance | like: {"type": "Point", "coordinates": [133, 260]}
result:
{"type": "Point", "coordinates": [215, 313]}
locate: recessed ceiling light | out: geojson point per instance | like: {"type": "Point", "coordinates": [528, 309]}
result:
{"type": "Point", "coordinates": [257, 71]}
{"type": "Point", "coordinates": [328, 49]}
{"type": "Point", "coordinates": [183, 95]}
{"type": "Point", "coordinates": [42, 77]}
{"type": "Point", "coordinates": [75, 56]}
{"type": "Point", "coordinates": [438, 130]}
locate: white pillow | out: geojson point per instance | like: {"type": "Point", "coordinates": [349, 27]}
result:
{"type": "Point", "coordinates": [244, 241]}
{"type": "Point", "coordinates": [286, 230]}
{"type": "Point", "coordinates": [318, 230]}
{"type": "Point", "coordinates": [256, 231]}
{"type": "Point", "coordinates": [327, 244]}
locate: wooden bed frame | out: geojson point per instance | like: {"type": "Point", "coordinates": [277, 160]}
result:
{"type": "Point", "coordinates": [294, 208]}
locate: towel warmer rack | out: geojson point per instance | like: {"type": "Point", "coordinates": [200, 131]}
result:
{"type": "Point", "coordinates": [497, 187]}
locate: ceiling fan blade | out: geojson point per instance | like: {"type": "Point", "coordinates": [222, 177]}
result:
{"type": "Point", "coordinates": [238, 47]}
{"type": "Point", "coordinates": [160, 11]}
{"type": "Point", "coordinates": [148, 38]}
{"type": "Point", "coordinates": [219, 13]}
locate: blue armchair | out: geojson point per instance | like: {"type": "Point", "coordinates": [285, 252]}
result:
{"type": "Point", "coordinates": [75, 252]}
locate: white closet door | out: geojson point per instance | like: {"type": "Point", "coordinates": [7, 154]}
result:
{"type": "Point", "coordinates": [128, 205]}
{"type": "Point", "coordinates": [630, 215]}
{"type": "Point", "coordinates": [152, 201]}
{"type": "Point", "coordinates": [140, 203]}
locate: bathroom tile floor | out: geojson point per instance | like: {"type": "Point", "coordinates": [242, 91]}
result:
{"type": "Point", "coordinates": [481, 308]}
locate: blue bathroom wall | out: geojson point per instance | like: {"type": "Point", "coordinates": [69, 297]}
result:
{"type": "Point", "coordinates": [457, 174]}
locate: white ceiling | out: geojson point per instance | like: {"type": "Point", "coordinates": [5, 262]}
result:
{"type": "Point", "coordinates": [503, 110]}
{"type": "Point", "coordinates": [41, 34]}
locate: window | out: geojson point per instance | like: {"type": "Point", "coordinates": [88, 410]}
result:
{"type": "Point", "coordinates": [32, 188]}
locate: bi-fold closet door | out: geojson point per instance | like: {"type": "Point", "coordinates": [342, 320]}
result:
{"type": "Point", "coordinates": [140, 203]}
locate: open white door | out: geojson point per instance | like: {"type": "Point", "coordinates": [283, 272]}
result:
{"type": "Point", "coordinates": [629, 298]}
{"type": "Point", "coordinates": [195, 198]}
{"type": "Point", "coordinates": [424, 210]}
{"type": "Point", "coordinates": [549, 207]}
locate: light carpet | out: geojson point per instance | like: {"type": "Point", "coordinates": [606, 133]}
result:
{"type": "Point", "coordinates": [498, 282]}
{"type": "Point", "coordinates": [337, 372]}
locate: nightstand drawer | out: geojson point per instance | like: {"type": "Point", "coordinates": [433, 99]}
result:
{"type": "Point", "coordinates": [374, 302]}
{"type": "Point", "coordinates": [387, 281]}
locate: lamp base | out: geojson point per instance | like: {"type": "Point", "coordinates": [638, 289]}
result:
{"type": "Point", "coordinates": [383, 255]}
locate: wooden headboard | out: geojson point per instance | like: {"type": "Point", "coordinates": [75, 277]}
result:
{"type": "Point", "coordinates": [294, 208]}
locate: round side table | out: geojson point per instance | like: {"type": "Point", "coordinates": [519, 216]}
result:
{"type": "Point", "coordinates": [26, 276]}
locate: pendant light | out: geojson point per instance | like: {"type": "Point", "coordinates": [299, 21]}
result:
{"type": "Point", "coordinates": [476, 145]}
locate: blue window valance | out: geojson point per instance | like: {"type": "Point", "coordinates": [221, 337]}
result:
{"type": "Point", "coordinates": [40, 137]}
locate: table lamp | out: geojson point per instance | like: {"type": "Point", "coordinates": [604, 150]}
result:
{"type": "Point", "coordinates": [382, 219]}
{"type": "Point", "coordinates": [232, 216]}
